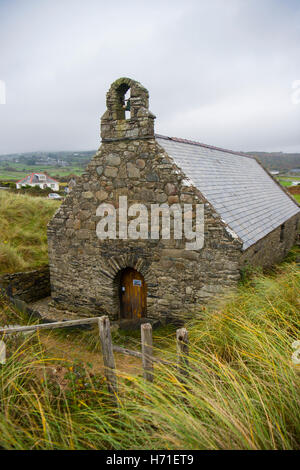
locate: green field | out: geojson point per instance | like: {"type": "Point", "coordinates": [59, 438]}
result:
{"type": "Point", "coordinates": [287, 180]}
{"type": "Point", "coordinates": [18, 171]}
{"type": "Point", "coordinates": [297, 197]}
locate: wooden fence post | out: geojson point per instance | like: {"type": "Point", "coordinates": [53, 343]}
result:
{"type": "Point", "coordinates": [108, 355]}
{"type": "Point", "coordinates": [2, 352]}
{"type": "Point", "coordinates": [182, 351]}
{"type": "Point", "coordinates": [147, 351]}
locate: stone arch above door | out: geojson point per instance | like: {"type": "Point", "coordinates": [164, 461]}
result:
{"type": "Point", "coordinates": [110, 271]}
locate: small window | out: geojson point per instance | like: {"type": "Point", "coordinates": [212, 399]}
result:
{"type": "Point", "coordinates": [282, 232]}
{"type": "Point", "coordinates": [127, 104]}
{"type": "Point", "coordinates": [123, 102]}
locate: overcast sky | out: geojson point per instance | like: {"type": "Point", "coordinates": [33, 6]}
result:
{"type": "Point", "coordinates": [218, 71]}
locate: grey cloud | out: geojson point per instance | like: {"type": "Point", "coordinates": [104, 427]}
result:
{"type": "Point", "coordinates": [217, 71]}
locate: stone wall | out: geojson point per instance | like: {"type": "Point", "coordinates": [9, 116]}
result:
{"type": "Point", "coordinates": [274, 246]}
{"type": "Point", "coordinates": [27, 286]}
{"type": "Point", "coordinates": [85, 270]}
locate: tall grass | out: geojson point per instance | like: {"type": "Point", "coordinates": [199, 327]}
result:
{"type": "Point", "coordinates": [23, 239]}
{"type": "Point", "coordinates": [297, 197]}
{"type": "Point", "coordinates": [242, 391]}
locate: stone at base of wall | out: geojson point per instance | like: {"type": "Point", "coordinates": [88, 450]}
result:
{"type": "Point", "coordinates": [47, 311]}
{"type": "Point", "coordinates": [27, 286]}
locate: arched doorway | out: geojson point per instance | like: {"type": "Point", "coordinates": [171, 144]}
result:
{"type": "Point", "coordinates": [133, 293]}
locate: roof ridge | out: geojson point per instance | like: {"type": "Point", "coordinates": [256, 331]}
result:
{"type": "Point", "coordinates": [199, 144]}
{"type": "Point", "coordinates": [48, 177]}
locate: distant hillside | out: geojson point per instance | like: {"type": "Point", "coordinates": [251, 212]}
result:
{"type": "Point", "coordinates": [278, 160]}
{"type": "Point", "coordinates": [272, 160]}
{"type": "Point", "coordinates": [60, 158]}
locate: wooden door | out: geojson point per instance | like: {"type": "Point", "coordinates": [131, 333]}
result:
{"type": "Point", "coordinates": [132, 294]}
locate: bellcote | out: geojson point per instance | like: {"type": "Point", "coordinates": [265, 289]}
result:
{"type": "Point", "coordinates": [127, 115]}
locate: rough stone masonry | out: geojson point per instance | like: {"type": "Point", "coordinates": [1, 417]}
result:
{"type": "Point", "coordinates": [85, 271]}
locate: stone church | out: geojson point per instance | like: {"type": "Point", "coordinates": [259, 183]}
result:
{"type": "Point", "coordinates": [248, 219]}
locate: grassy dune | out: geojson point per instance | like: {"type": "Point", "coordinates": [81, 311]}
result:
{"type": "Point", "coordinates": [23, 239]}
{"type": "Point", "coordinates": [242, 393]}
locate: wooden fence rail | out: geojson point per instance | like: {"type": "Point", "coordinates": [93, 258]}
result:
{"type": "Point", "coordinates": [47, 326]}
{"type": "Point", "coordinates": [146, 355]}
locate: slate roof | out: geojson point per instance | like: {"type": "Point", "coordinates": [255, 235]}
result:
{"type": "Point", "coordinates": [246, 197]}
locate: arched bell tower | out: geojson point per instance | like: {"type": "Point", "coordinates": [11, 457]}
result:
{"type": "Point", "coordinates": [140, 123]}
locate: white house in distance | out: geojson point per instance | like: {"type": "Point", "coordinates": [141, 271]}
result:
{"type": "Point", "coordinates": [38, 179]}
